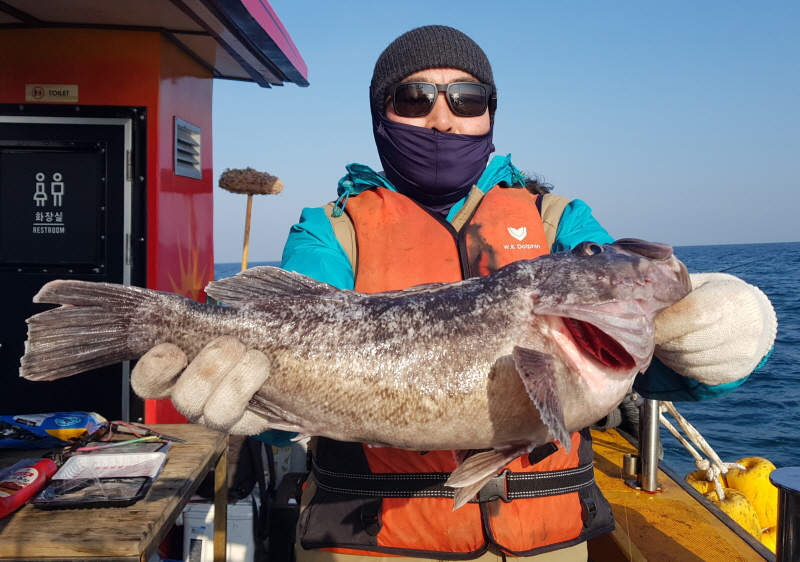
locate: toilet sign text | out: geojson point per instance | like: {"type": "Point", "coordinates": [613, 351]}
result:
{"type": "Point", "coordinates": [64, 93]}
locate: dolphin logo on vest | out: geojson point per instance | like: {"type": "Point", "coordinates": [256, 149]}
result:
{"type": "Point", "coordinates": [518, 233]}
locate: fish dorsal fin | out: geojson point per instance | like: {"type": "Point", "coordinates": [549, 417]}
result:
{"type": "Point", "coordinates": [536, 371]}
{"type": "Point", "coordinates": [267, 282]}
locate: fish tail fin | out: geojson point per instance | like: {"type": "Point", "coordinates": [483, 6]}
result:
{"type": "Point", "coordinates": [91, 329]}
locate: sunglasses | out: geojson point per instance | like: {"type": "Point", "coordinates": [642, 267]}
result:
{"type": "Point", "coordinates": [466, 99]}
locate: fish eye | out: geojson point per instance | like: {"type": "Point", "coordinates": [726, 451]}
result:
{"type": "Point", "coordinates": [588, 249]}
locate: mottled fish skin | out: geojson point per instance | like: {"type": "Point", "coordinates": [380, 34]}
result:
{"type": "Point", "coordinates": [427, 368]}
{"type": "Point", "coordinates": [375, 368]}
{"type": "Point", "coordinates": [432, 369]}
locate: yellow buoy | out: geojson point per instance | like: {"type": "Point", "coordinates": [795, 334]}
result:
{"type": "Point", "coordinates": [769, 538]}
{"type": "Point", "coordinates": [754, 483]}
{"type": "Point", "coordinates": [697, 480]}
{"type": "Point", "coordinates": [738, 508]}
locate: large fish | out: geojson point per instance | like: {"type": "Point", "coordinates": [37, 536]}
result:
{"type": "Point", "coordinates": [505, 362]}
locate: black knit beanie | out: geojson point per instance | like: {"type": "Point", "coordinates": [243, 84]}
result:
{"type": "Point", "coordinates": [432, 46]}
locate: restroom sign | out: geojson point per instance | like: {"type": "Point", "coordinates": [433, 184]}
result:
{"type": "Point", "coordinates": [52, 205]}
{"type": "Point", "coordinates": [40, 196]}
{"type": "Point", "coordinates": [49, 221]}
{"type": "Point", "coordinates": [51, 93]}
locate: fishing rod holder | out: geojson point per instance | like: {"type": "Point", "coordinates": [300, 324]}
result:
{"type": "Point", "coordinates": [787, 480]}
{"type": "Point", "coordinates": [643, 468]}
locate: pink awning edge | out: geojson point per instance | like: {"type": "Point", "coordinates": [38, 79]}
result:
{"type": "Point", "coordinates": [262, 12]}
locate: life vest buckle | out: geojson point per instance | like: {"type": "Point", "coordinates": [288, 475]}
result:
{"type": "Point", "coordinates": [496, 488]}
{"type": "Point", "coordinates": [371, 520]}
{"type": "Point", "coordinates": [588, 511]}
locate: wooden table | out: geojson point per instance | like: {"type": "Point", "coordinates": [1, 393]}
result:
{"type": "Point", "coordinates": [124, 533]}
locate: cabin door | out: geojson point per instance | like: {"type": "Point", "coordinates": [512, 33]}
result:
{"type": "Point", "coordinates": [67, 205]}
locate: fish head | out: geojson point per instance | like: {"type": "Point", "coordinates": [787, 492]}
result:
{"type": "Point", "coordinates": [609, 294]}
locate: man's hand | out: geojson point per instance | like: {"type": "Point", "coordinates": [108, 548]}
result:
{"type": "Point", "coordinates": [213, 389]}
{"type": "Point", "coordinates": [718, 333]}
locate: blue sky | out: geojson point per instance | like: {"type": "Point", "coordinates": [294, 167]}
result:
{"type": "Point", "coordinates": [675, 121]}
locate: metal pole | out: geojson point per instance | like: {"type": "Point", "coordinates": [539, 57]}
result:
{"type": "Point", "coordinates": [787, 480]}
{"type": "Point", "coordinates": [648, 445]}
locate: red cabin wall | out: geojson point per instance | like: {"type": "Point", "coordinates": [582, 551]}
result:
{"type": "Point", "coordinates": [180, 254]}
{"type": "Point", "coordinates": [182, 260]}
{"type": "Point", "coordinates": [142, 69]}
{"type": "Point", "coordinates": [109, 67]}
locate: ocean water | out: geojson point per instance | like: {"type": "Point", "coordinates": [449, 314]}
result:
{"type": "Point", "coordinates": [762, 417]}
{"type": "Point", "coordinates": [223, 270]}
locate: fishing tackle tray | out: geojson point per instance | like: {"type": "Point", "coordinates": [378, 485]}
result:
{"type": "Point", "coordinates": [91, 481]}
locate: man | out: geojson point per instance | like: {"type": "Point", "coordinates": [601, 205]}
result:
{"type": "Point", "coordinates": [439, 213]}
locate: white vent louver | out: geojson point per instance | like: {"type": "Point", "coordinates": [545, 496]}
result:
{"type": "Point", "coordinates": [187, 150]}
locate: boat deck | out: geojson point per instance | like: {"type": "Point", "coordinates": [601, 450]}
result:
{"type": "Point", "coordinates": [671, 526]}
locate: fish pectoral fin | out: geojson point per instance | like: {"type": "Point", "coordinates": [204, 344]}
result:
{"type": "Point", "coordinates": [478, 469]}
{"type": "Point", "coordinates": [536, 371]}
{"type": "Point", "coordinates": [266, 282]}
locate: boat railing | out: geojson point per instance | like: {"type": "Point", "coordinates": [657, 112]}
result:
{"type": "Point", "coordinates": [787, 480]}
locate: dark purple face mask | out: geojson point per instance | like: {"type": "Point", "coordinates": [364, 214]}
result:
{"type": "Point", "coordinates": [429, 166]}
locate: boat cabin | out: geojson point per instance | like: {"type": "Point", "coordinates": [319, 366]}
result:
{"type": "Point", "coordinates": [106, 160]}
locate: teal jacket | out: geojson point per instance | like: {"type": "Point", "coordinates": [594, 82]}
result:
{"type": "Point", "coordinates": [313, 250]}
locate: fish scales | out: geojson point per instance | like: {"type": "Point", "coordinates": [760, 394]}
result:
{"type": "Point", "coordinates": [406, 361]}
{"type": "Point", "coordinates": [505, 362]}
{"type": "Point", "coordinates": [412, 362]}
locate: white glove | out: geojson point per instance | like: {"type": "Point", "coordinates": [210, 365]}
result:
{"type": "Point", "coordinates": [213, 390]}
{"type": "Point", "coordinates": [719, 332]}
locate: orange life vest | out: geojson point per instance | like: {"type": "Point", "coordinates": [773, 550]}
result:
{"type": "Point", "coordinates": [401, 244]}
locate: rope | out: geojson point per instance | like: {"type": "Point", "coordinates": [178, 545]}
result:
{"type": "Point", "coordinates": [713, 466]}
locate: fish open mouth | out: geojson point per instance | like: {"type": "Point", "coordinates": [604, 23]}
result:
{"type": "Point", "coordinates": [599, 345]}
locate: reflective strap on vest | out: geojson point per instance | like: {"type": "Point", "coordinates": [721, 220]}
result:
{"type": "Point", "coordinates": [507, 485]}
